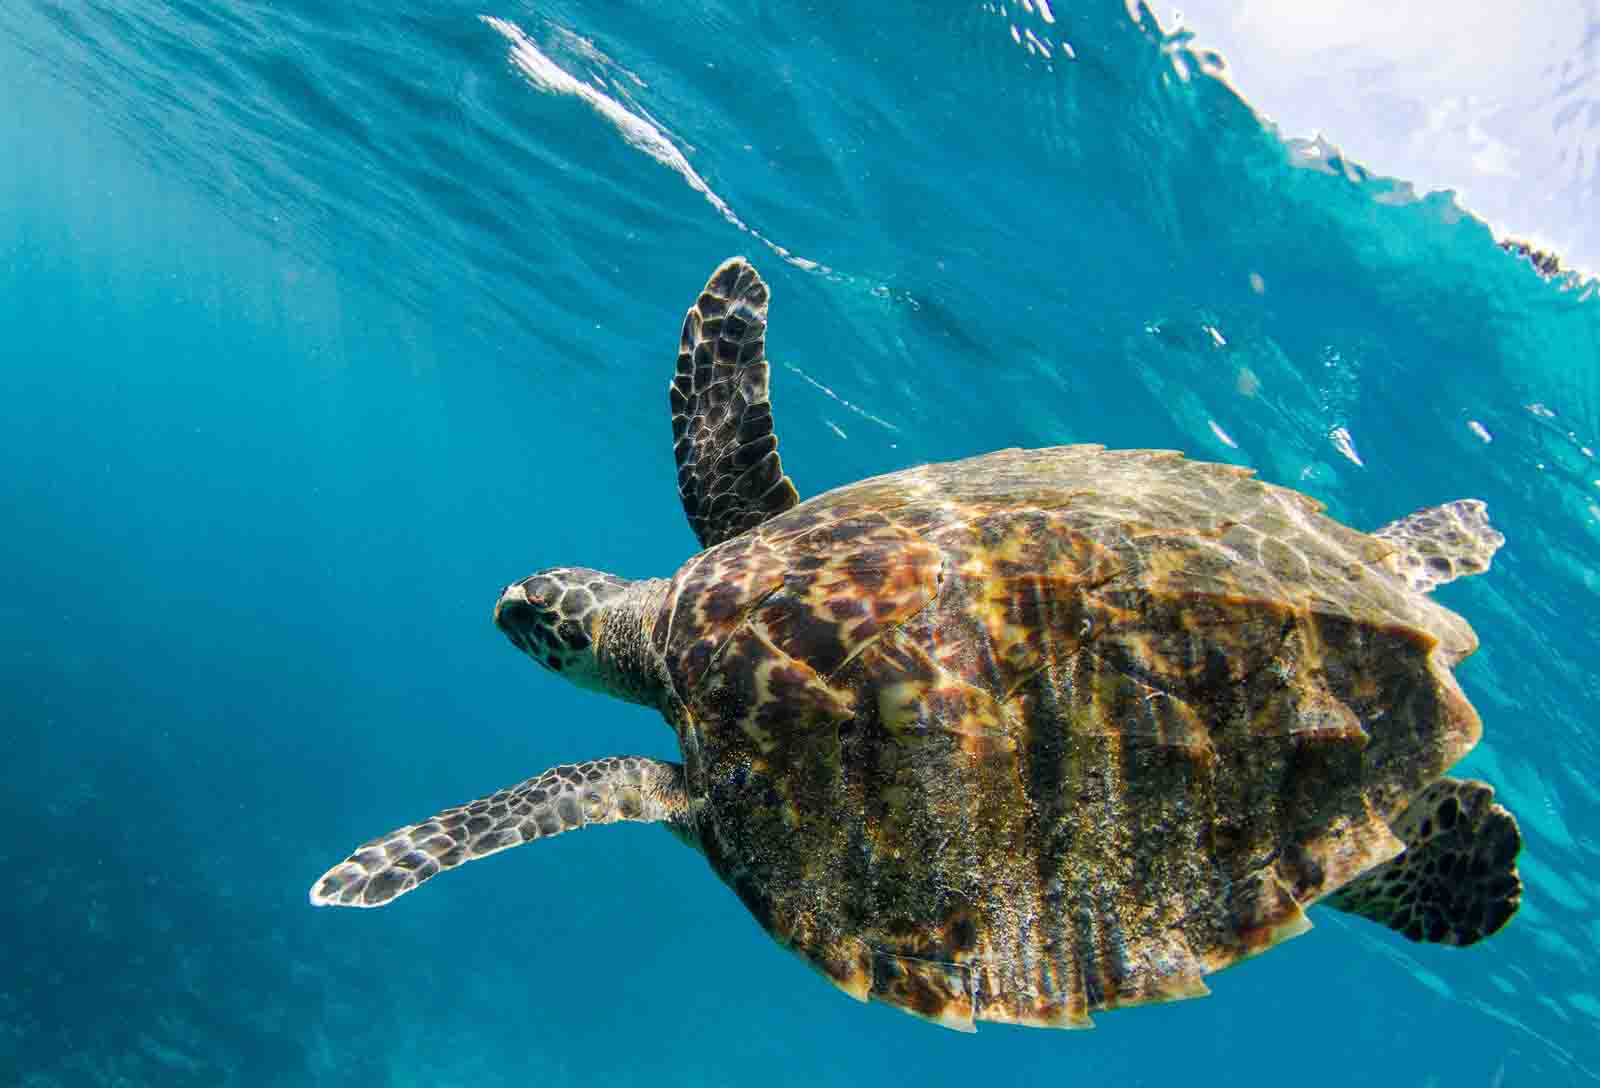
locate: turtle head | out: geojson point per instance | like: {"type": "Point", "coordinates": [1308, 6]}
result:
{"type": "Point", "coordinates": [586, 625]}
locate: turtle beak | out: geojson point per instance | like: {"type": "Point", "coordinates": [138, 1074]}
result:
{"type": "Point", "coordinates": [513, 600]}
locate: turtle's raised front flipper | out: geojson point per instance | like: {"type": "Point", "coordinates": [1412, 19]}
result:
{"type": "Point", "coordinates": [1442, 543]}
{"type": "Point", "coordinates": [729, 476]}
{"type": "Point", "coordinates": [564, 798]}
{"type": "Point", "coordinates": [1457, 881]}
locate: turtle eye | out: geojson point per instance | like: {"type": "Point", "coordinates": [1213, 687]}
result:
{"type": "Point", "coordinates": [570, 635]}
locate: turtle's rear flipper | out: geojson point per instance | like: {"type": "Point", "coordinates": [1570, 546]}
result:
{"type": "Point", "coordinates": [1442, 543]}
{"type": "Point", "coordinates": [1457, 881]}
{"type": "Point", "coordinates": [564, 798]}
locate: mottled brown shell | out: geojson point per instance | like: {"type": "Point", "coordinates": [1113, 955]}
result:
{"type": "Point", "coordinates": [1044, 732]}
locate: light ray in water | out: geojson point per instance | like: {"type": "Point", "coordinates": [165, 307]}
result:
{"type": "Point", "coordinates": [862, 412]}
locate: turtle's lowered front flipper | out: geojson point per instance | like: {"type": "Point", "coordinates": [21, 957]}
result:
{"type": "Point", "coordinates": [1442, 543]}
{"type": "Point", "coordinates": [564, 798]}
{"type": "Point", "coordinates": [1457, 881]}
{"type": "Point", "coordinates": [729, 475]}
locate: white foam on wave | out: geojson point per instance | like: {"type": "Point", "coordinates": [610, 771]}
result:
{"type": "Point", "coordinates": [1340, 437]}
{"type": "Point", "coordinates": [547, 76]}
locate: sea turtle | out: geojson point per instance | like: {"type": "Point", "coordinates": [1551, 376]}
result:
{"type": "Point", "coordinates": [1018, 737]}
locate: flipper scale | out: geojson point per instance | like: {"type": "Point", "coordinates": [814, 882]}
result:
{"type": "Point", "coordinates": [729, 475]}
{"type": "Point", "coordinates": [1442, 543]}
{"type": "Point", "coordinates": [564, 798]}
{"type": "Point", "coordinates": [1457, 881]}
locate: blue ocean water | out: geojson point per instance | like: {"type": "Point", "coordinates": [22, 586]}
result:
{"type": "Point", "coordinates": [320, 323]}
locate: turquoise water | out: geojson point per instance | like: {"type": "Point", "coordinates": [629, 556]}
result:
{"type": "Point", "coordinates": [319, 326]}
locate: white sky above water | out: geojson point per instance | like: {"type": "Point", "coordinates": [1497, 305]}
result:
{"type": "Point", "coordinates": [1499, 101]}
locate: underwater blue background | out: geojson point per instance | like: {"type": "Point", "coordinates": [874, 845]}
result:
{"type": "Point", "coordinates": [320, 323]}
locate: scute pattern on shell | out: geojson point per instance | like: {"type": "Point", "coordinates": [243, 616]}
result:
{"type": "Point", "coordinates": [1051, 731]}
